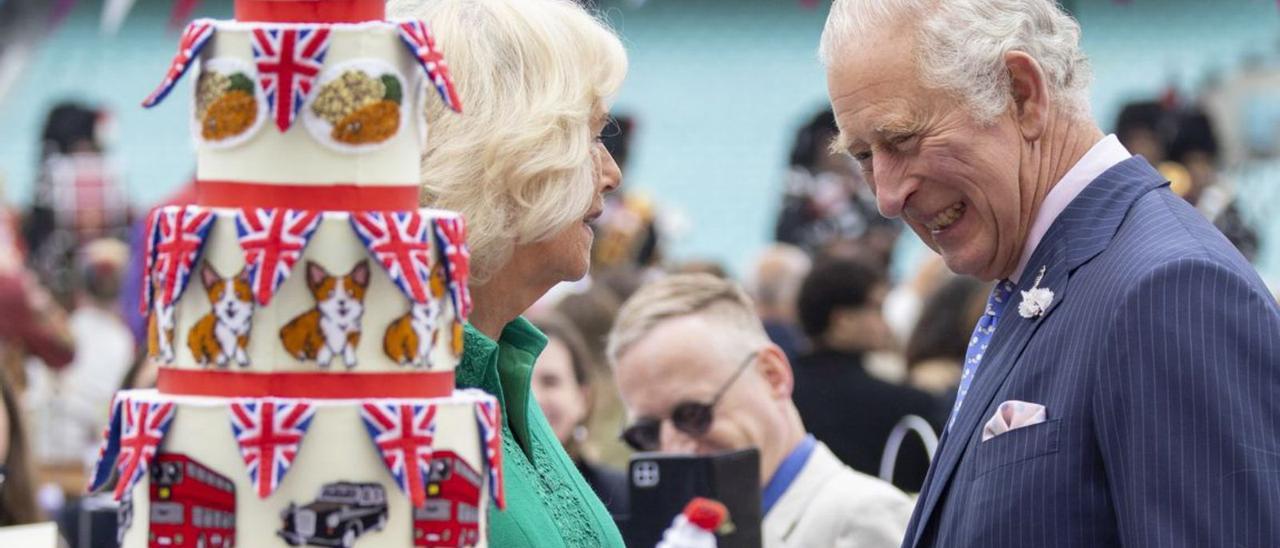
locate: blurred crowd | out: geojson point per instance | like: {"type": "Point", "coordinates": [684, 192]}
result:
{"type": "Point", "coordinates": [876, 358]}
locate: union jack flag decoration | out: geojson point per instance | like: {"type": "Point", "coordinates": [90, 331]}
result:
{"type": "Point", "coordinates": [273, 240]}
{"type": "Point", "coordinates": [288, 61]}
{"type": "Point", "coordinates": [401, 242]}
{"type": "Point", "coordinates": [109, 449]}
{"type": "Point", "coordinates": [194, 39]}
{"type": "Point", "coordinates": [489, 418]}
{"type": "Point", "coordinates": [148, 259]}
{"type": "Point", "coordinates": [179, 236]}
{"type": "Point", "coordinates": [269, 433]}
{"type": "Point", "coordinates": [417, 37]}
{"type": "Point", "coordinates": [404, 434]}
{"type": "Point", "coordinates": [143, 427]}
{"type": "Point", "coordinates": [452, 235]}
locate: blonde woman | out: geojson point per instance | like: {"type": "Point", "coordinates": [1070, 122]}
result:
{"type": "Point", "coordinates": [525, 167]}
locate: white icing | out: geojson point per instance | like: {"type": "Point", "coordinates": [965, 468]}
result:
{"type": "Point", "coordinates": [336, 448]}
{"type": "Point", "coordinates": [335, 247]}
{"type": "Point", "coordinates": [295, 157]}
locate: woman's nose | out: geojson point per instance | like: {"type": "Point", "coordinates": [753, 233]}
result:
{"type": "Point", "coordinates": [610, 175]}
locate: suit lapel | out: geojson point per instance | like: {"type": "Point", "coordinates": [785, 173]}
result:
{"type": "Point", "coordinates": [1084, 229]}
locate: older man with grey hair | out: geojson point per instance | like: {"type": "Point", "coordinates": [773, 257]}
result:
{"type": "Point", "coordinates": [1121, 388]}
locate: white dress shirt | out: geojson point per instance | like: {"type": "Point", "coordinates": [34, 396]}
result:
{"type": "Point", "coordinates": [1104, 155]}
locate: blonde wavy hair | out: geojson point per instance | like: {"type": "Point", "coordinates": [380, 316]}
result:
{"type": "Point", "coordinates": [532, 76]}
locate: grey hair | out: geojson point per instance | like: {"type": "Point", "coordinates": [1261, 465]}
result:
{"type": "Point", "coordinates": [679, 295]}
{"type": "Point", "coordinates": [961, 46]}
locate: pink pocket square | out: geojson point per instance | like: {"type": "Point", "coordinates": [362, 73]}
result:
{"type": "Point", "coordinates": [1012, 415]}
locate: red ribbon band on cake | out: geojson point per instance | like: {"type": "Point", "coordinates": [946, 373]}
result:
{"type": "Point", "coordinates": [337, 385]}
{"type": "Point", "coordinates": [310, 11]}
{"type": "Point", "coordinates": [331, 197]}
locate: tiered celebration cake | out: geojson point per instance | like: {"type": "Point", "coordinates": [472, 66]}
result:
{"type": "Point", "coordinates": [306, 313]}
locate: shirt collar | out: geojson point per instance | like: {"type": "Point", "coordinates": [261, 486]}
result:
{"type": "Point", "coordinates": [787, 471]}
{"type": "Point", "coordinates": [1102, 156]}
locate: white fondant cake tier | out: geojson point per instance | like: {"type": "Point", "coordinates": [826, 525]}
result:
{"type": "Point", "coordinates": [198, 490]}
{"type": "Point", "coordinates": [337, 311]}
{"type": "Point", "coordinates": [374, 61]}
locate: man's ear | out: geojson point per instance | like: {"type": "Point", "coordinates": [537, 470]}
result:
{"type": "Point", "coordinates": [775, 368]}
{"type": "Point", "coordinates": [1030, 94]}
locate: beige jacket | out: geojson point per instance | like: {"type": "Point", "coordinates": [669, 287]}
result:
{"type": "Point", "coordinates": [830, 504]}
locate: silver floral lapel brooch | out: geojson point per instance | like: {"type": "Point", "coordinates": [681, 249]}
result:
{"type": "Point", "coordinates": [1037, 300]}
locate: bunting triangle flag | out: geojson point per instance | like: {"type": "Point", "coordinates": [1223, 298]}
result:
{"type": "Point", "coordinates": [288, 60]}
{"type": "Point", "coordinates": [194, 39]}
{"type": "Point", "coordinates": [110, 448]}
{"type": "Point", "coordinates": [269, 432]}
{"type": "Point", "coordinates": [180, 236]}
{"type": "Point", "coordinates": [489, 419]}
{"type": "Point", "coordinates": [401, 243]}
{"type": "Point", "coordinates": [404, 434]}
{"type": "Point", "coordinates": [150, 235]}
{"type": "Point", "coordinates": [142, 428]}
{"type": "Point", "coordinates": [452, 235]}
{"type": "Point", "coordinates": [273, 240]}
{"type": "Point", "coordinates": [422, 45]}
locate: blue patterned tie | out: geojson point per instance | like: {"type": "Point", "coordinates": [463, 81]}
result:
{"type": "Point", "coordinates": [979, 341]}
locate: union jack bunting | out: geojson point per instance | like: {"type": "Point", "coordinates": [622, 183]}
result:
{"type": "Point", "coordinates": [110, 447]}
{"type": "Point", "coordinates": [489, 418]}
{"type": "Point", "coordinates": [288, 61]}
{"type": "Point", "coordinates": [269, 433]}
{"type": "Point", "coordinates": [148, 259]}
{"type": "Point", "coordinates": [417, 37]}
{"type": "Point", "coordinates": [179, 235]}
{"type": "Point", "coordinates": [272, 241]}
{"type": "Point", "coordinates": [401, 242]}
{"type": "Point", "coordinates": [142, 428]}
{"type": "Point", "coordinates": [194, 38]}
{"type": "Point", "coordinates": [452, 235]}
{"type": "Point", "coordinates": [404, 434]}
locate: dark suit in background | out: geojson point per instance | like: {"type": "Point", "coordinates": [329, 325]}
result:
{"type": "Point", "coordinates": [853, 413]}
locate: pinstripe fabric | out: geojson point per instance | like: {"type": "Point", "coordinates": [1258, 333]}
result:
{"type": "Point", "coordinates": [1159, 367]}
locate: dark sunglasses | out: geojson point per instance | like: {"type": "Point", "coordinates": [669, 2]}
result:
{"type": "Point", "coordinates": [691, 417]}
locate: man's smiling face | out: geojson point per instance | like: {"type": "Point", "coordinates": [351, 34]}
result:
{"type": "Point", "coordinates": [954, 180]}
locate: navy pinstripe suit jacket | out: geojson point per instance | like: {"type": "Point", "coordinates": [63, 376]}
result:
{"type": "Point", "coordinates": [1159, 366]}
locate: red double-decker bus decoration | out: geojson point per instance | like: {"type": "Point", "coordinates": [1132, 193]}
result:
{"type": "Point", "coordinates": [191, 505]}
{"type": "Point", "coordinates": [451, 515]}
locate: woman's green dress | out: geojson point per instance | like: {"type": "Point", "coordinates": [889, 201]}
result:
{"type": "Point", "coordinates": [548, 502]}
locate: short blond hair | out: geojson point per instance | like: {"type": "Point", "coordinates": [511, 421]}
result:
{"type": "Point", "coordinates": [679, 295]}
{"type": "Point", "coordinates": [532, 75]}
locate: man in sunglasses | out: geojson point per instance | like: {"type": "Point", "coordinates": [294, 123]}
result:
{"type": "Point", "coordinates": [698, 375]}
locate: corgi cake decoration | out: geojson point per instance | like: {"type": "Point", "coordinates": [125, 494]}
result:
{"type": "Point", "coordinates": [304, 288]}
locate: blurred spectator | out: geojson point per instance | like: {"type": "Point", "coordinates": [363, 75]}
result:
{"type": "Point", "coordinates": [562, 385]}
{"type": "Point", "coordinates": [33, 325]}
{"type": "Point", "coordinates": [78, 195]}
{"type": "Point", "coordinates": [840, 309]}
{"type": "Point", "coordinates": [1145, 128]}
{"type": "Point", "coordinates": [775, 286]}
{"type": "Point", "coordinates": [825, 198]}
{"type": "Point", "coordinates": [935, 351]}
{"type": "Point", "coordinates": [69, 408]}
{"type": "Point", "coordinates": [701, 266]}
{"type": "Point", "coordinates": [17, 495]}
{"type": "Point", "coordinates": [591, 313]}
{"type": "Point", "coordinates": [698, 375]}
{"type": "Point", "coordinates": [1195, 147]}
